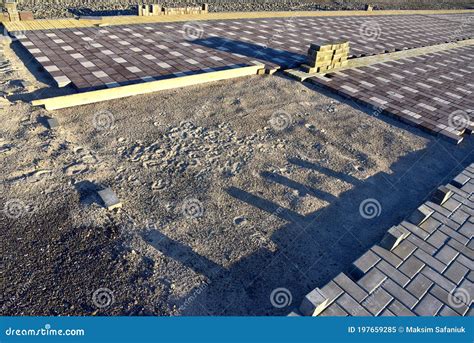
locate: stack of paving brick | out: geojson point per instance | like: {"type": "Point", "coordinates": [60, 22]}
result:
{"type": "Point", "coordinates": [9, 12]}
{"type": "Point", "coordinates": [322, 58]}
{"type": "Point", "coordinates": [152, 10]}
{"type": "Point", "coordinates": [424, 266]}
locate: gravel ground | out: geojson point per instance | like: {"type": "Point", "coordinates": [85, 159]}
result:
{"type": "Point", "coordinates": [68, 8]}
{"type": "Point", "coordinates": [230, 190]}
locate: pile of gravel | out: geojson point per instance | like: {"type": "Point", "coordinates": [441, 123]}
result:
{"type": "Point", "coordinates": [69, 8]}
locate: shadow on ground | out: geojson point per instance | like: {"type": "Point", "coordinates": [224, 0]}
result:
{"type": "Point", "coordinates": [314, 248]}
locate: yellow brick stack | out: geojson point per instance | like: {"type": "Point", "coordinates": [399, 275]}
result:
{"type": "Point", "coordinates": [322, 58]}
{"type": "Point", "coordinates": [152, 10]}
{"type": "Point", "coordinates": [12, 11]}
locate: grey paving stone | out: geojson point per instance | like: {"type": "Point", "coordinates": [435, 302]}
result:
{"type": "Point", "coordinates": [468, 187]}
{"type": "Point", "coordinates": [52, 123]}
{"type": "Point", "coordinates": [459, 216]}
{"type": "Point", "coordinates": [420, 215]}
{"type": "Point", "coordinates": [364, 263]}
{"type": "Point", "coordinates": [428, 306]}
{"type": "Point", "coordinates": [446, 221]}
{"type": "Point", "coordinates": [459, 194]}
{"type": "Point", "coordinates": [470, 276]}
{"type": "Point", "coordinates": [398, 309]}
{"type": "Point", "coordinates": [467, 229]}
{"type": "Point", "coordinates": [448, 300]}
{"type": "Point", "coordinates": [439, 209]}
{"type": "Point", "coordinates": [415, 229]}
{"type": "Point", "coordinates": [388, 256]}
{"type": "Point", "coordinates": [110, 199]}
{"type": "Point", "coordinates": [430, 261]}
{"type": "Point", "coordinates": [393, 273]}
{"type": "Point", "coordinates": [350, 287]}
{"type": "Point", "coordinates": [399, 293]}
{"type": "Point", "coordinates": [334, 310]}
{"type": "Point", "coordinates": [437, 239]}
{"type": "Point", "coordinates": [454, 235]}
{"type": "Point", "coordinates": [314, 303]}
{"type": "Point", "coordinates": [411, 266]}
{"type": "Point", "coordinates": [450, 204]}
{"type": "Point", "coordinates": [331, 290]}
{"type": "Point", "coordinates": [421, 244]}
{"type": "Point", "coordinates": [394, 236]}
{"type": "Point", "coordinates": [377, 301]}
{"type": "Point", "coordinates": [460, 180]}
{"type": "Point", "coordinates": [387, 313]}
{"type": "Point", "coordinates": [469, 287]}
{"type": "Point", "coordinates": [404, 249]}
{"type": "Point", "coordinates": [463, 249]}
{"type": "Point", "coordinates": [419, 286]}
{"type": "Point", "coordinates": [456, 272]}
{"type": "Point", "coordinates": [351, 306]}
{"type": "Point", "coordinates": [447, 311]}
{"type": "Point", "coordinates": [441, 195]}
{"type": "Point", "coordinates": [371, 280]}
{"type": "Point", "coordinates": [446, 254]}
{"type": "Point", "coordinates": [438, 279]}
{"type": "Point", "coordinates": [465, 261]}
{"type": "Point", "coordinates": [430, 225]}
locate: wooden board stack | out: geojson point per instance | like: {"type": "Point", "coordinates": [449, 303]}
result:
{"type": "Point", "coordinates": [322, 58]}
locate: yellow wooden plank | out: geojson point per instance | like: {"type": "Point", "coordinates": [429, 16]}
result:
{"type": "Point", "coordinates": [122, 20]}
{"type": "Point", "coordinates": [143, 88]}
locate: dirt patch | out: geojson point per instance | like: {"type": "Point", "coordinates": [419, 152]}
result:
{"type": "Point", "coordinates": [230, 190]}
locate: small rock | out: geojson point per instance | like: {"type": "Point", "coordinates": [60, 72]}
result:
{"type": "Point", "coordinates": [239, 220]}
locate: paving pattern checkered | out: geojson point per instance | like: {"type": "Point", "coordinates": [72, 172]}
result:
{"type": "Point", "coordinates": [433, 91]}
{"type": "Point", "coordinates": [430, 273]}
{"type": "Point", "coordinates": [96, 57]}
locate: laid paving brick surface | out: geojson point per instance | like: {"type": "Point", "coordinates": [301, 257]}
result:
{"type": "Point", "coordinates": [430, 276]}
{"type": "Point", "coordinates": [97, 57]}
{"type": "Point", "coordinates": [433, 91]}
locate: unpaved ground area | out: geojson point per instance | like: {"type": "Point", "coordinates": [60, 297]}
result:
{"type": "Point", "coordinates": [230, 191]}
{"type": "Point", "coordinates": [69, 8]}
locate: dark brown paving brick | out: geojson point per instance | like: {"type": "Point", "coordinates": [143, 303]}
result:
{"type": "Point", "coordinates": [108, 56]}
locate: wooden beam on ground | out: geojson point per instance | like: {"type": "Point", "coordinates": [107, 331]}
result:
{"type": "Point", "coordinates": [143, 88]}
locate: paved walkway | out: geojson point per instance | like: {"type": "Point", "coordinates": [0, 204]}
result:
{"type": "Point", "coordinates": [423, 267]}
{"type": "Point", "coordinates": [433, 91]}
{"type": "Point", "coordinates": [96, 57]}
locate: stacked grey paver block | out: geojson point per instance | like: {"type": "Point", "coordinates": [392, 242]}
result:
{"type": "Point", "coordinates": [425, 267]}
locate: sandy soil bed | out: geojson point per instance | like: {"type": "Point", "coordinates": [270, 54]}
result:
{"type": "Point", "coordinates": [230, 190]}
